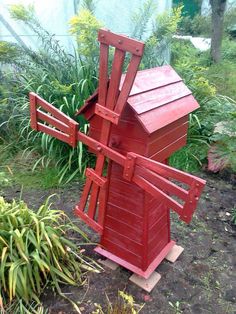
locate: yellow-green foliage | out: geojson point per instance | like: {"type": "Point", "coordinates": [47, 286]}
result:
{"type": "Point", "coordinates": [21, 12]}
{"type": "Point", "coordinates": [84, 26]}
{"type": "Point", "coordinates": [167, 22]}
{"type": "Point", "coordinates": [8, 51]}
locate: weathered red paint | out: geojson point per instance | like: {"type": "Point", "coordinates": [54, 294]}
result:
{"type": "Point", "coordinates": [137, 122]}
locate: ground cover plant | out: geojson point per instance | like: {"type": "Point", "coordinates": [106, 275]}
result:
{"type": "Point", "coordinates": [36, 251]}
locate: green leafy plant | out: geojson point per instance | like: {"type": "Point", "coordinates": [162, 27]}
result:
{"type": "Point", "coordinates": [141, 18]}
{"type": "Point", "coordinates": [234, 215]}
{"type": "Point", "coordinates": [36, 250]}
{"type": "Point", "coordinates": [60, 78]}
{"type": "Point", "coordinates": [164, 27]}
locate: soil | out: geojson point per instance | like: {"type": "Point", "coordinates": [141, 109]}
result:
{"type": "Point", "coordinates": [202, 280]}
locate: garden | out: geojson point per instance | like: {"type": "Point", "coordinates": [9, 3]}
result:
{"type": "Point", "coordinates": [48, 264]}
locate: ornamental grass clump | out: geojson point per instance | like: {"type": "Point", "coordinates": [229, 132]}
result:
{"type": "Point", "coordinates": [35, 251]}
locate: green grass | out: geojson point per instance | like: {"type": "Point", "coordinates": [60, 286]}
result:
{"type": "Point", "coordinates": [18, 169]}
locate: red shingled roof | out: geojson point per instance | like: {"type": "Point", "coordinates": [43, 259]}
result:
{"type": "Point", "coordinates": [158, 98]}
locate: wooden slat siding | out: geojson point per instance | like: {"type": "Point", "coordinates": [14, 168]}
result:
{"type": "Point", "coordinates": [154, 191]}
{"type": "Point", "coordinates": [160, 117]}
{"type": "Point", "coordinates": [162, 183]}
{"type": "Point", "coordinates": [125, 203]}
{"type": "Point", "coordinates": [54, 111]}
{"type": "Point", "coordinates": [170, 149]}
{"type": "Point", "coordinates": [169, 138]}
{"type": "Point", "coordinates": [121, 252]}
{"type": "Point", "coordinates": [103, 74]}
{"type": "Point", "coordinates": [122, 240]}
{"type": "Point", "coordinates": [33, 111]}
{"type": "Point", "coordinates": [156, 214]}
{"type": "Point", "coordinates": [160, 234]}
{"type": "Point", "coordinates": [156, 227]}
{"type": "Point", "coordinates": [120, 41]}
{"type": "Point", "coordinates": [130, 231]}
{"type": "Point", "coordinates": [128, 83]}
{"type": "Point", "coordinates": [58, 134]}
{"type": "Point", "coordinates": [158, 248]}
{"type": "Point", "coordinates": [127, 144]}
{"type": "Point", "coordinates": [153, 99]}
{"type": "Point", "coordinates": [124, 215]}
{"type": "Point", "coordinates": [166, 129]}
{"type": "Point", "coordinates": [54, 122]}
{"type": "Point", "coordinates": [126, 188]}
{"type": "Point", "coordinates": [153, 78]}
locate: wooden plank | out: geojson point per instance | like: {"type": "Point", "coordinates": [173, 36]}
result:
{"type": "Point", "coordinates": [92, 175]}
{"type": "Point", "coordinates": [153, 232]}
{"type": "Point", "coordinates": [162, 141]}
{"type": "Point", "coordinates": [120, 41]}
{"type": "Point", "coordinates": [154, 215]}
{"type": "Point", "coordinates": [121, 252]}
{"type": "Point", "coordinates": [107, 114]}
{"type": "Point", "coordinates": [116, 73]}
{"type": "Point", "coordinates": [164, 170]}
{"type": "Point", "coordinates": [132, 130]}
{"type": "Point", "coordinates": [131, 218]}
{"type": "Point", "coordinates": [170, 149]}
{"type": "Point", "coordinates": [122, 241]}
{"type": "Point", "coordinates": [102, 205]}
{"type": "Point", "coordinates": [153, 99]}
{"type": "Point", "coordinates": [129, 230]}
{"type": "Point", "coordinates": [123, 144]}
{"type": "Point", "coordinates": [93, 224]}
{"type": "Point", "coordinates": [154, 191]}
{"type": "Point", "coordinates": [160, 117]}
{"type": "Point", "coordinates": [123, 188]}
{"type": "Point", "coordinates": [128, 83]}
{"type": "Point", "coordinates": [85, 195]}
{"type": "Point", "coordinates": [162, 183]}
{"type": "Point", "coordinates": [103, 74]}
{"type": "Point", "coordinates": [166, 129]}
{"type": "Point", "coordinates": [153, 78]}
{"type": "Point", "coordinates": [129, 204]}
{"type": "Point", "coordinates": [101, 148]}
{"type": "Point", "coordinates": [156, 252]}
{"type": "Point", "coordinates": [54, 122]}
{"type": "Point", "coordinates": [33, 111]}
{"type": "Point", "coordinates": [53, 132]}
{"type": "Point", "coordinates": [53, 110]}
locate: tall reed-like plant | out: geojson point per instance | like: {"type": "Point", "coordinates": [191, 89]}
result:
{"type": "Point", "coordinates": [62, 79]}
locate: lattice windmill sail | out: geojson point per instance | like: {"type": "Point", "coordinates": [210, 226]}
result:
{"type": "Point", "coordinates": [137, 120]}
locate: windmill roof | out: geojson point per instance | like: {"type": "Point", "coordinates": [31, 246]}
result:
{"type": "Point", "coordinates": [158, 97]}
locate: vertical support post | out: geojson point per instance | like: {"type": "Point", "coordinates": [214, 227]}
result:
{"type": "Point", "coordinates": [33, 111]}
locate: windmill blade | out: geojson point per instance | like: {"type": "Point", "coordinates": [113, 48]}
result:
{"type": "Point", "coordinates": [92, 210]}
{"type": "Point", "coordinates": [58, 124]}
{"type": "Point", "coordinates": [155, 178]}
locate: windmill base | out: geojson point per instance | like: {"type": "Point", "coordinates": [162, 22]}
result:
{"type": "Point", "coordinates": [145, 274]}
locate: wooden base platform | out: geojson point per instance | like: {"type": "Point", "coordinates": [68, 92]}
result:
{"type": "Point", "coordinates": [145, 274]}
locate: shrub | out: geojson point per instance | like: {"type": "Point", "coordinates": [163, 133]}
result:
{"type": "Point", "coordinates": [35, 249]}
{"type": "Point", "coordinates": [58, 77]}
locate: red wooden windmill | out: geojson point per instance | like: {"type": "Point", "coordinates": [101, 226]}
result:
{"type": "Point", "coordinates": [136, 123]}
